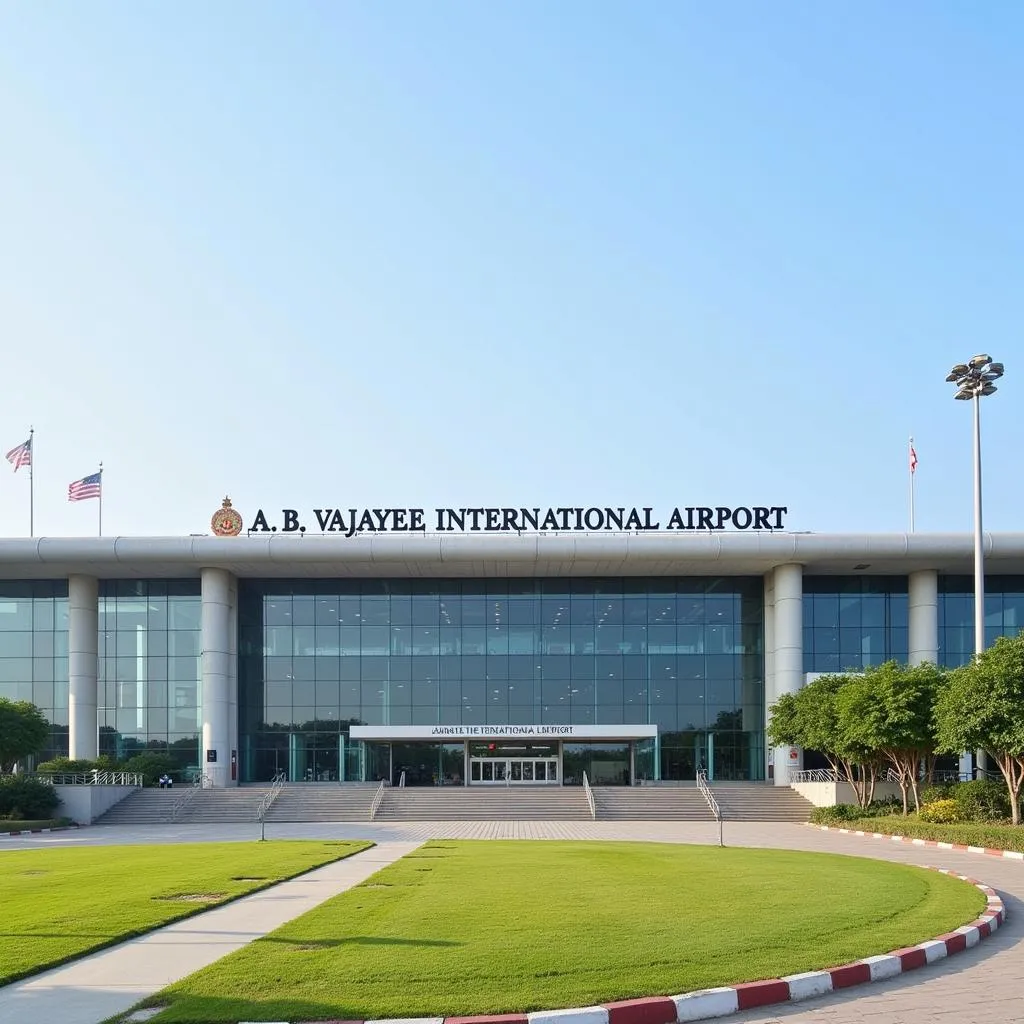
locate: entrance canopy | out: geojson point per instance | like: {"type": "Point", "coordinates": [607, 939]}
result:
{"type": "Point", "coordinates": [443, 733]}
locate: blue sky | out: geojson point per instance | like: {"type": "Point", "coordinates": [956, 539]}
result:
{"type": "Point", "coordinates": [328, 253]}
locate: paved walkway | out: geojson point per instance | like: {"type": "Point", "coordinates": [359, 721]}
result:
{"type": "Point", "coordinates": [90, 990]}
{"type": "Point", "coordinates": [983, 984]}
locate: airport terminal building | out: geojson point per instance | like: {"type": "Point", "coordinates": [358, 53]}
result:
{"type": "Point", "coordinates": [522, 652]}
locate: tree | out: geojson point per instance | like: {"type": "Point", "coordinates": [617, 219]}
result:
{"type": "Point", "coordinates": [810, 718]}
{"type": "Point", "coordinates": [888, 714]}
{"type": "Point", "coordinates": [982, 708]}
{"type": "Point", "coordinates": [23, 732]}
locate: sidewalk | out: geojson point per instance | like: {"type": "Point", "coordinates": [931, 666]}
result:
{"type": "Point", "coordinates": [96, 987]}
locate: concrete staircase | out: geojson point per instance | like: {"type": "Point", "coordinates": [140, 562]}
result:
{"type": "Point", "coordinates": [651, 803]}
{"type": "Point", "coordinates": [143, 807]}
{"type": "Point", "coordinates": [760, 801]}
{"type": "Point", "coordinates": [739, 801]}
{"type": "Point", "coordinates": [484, 803]}
{"type": "Point", "coordinates": [323, 802]}
{"type": "Point", "coordinates": [223, 806]}
{"type": "Point", "coordinates": [205, 806]}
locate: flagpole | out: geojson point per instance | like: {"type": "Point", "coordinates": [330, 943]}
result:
{"type": "Point", "coordinates": [100, 533]}
{"type": "Point", "coordinates": [31, 486]}
{"type": "Point", "coordinates": [910, 466]}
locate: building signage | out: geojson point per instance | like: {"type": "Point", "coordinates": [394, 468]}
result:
{"type": "Point", "coordinates": [350, 522]}
{"type": "Point", "coordinates": [442, 733]}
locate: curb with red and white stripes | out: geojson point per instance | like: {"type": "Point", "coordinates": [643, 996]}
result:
{"type": "Point", "coordinates": [37, 831]}
{"type": "Point", "coordinates": [720, 1002]}
{"type": "Point", "coordinates": [935, 843]}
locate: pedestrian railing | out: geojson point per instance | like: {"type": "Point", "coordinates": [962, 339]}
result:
{"type": "Point", "coordinates": [401, 780]}
{"type": "Point", "coordinates": [590, 797]}
{"type": "Point", "coordinates": [377, 798]}
{"type": "Point", "coordinates": [702, 785]}
{"type": "Point", "coordinates": [815, 775]}
{"type": "Point", "coordinates": [181, 802]}
{"type": "Point", "coordinates": [276, 785]}
{"type": "Point", "coordinates": [89, 778]}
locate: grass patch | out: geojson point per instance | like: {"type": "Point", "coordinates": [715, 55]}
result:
{"type": "Point", "coordinates": [995, 837]}
{"type": "Point", "coordinates": [501, 927]}
{"type": "Point", "coordinates": [59, 904]}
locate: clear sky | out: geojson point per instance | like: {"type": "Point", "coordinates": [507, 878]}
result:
{"type": "Point", "coordinates": [459, 253]}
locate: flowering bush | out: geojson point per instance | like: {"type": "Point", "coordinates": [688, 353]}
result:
{"type": "Point", "coordinates": [940, 812]}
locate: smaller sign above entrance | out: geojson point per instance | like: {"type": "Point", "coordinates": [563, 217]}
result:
{"type": "Point", "coordinates": [440, 733]}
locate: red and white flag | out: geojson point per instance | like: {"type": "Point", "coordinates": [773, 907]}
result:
{"type": "Point", "coordinates": [20, 456]}
{"type": "Point", "coordinates": [913, 459]}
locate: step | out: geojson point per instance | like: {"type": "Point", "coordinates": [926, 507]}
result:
{"type": "Point", "coordinates": [761, 801]}
{"type": "Point", "coordinates": [523, 803]}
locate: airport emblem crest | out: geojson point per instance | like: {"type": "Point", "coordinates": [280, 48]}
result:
{"type": "Point", "coordinates": [226, 521]}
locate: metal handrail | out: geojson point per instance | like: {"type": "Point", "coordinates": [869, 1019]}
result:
{"type": "Point", "coordinates": [815, 775]}
{"type": "Point", "coordinates": [96, 778]}
{"type": "Point", "coordinates": [181, 802]}
{"type": "Point", "coordinates": [401, 780]}
{"type": "Point", "coordinates": [377, 798]}
{"type": "Point", "coordinates": [702, 785]}
{"type": "Point", "coordinates": [276, 785]}
{"type": "Point", "coordinates": [590, 797]}
{"type": "Point", "coordinates": [828, 775]}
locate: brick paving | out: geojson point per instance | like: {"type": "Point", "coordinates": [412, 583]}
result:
{"type": "Point", "coordinates": [985, 983]}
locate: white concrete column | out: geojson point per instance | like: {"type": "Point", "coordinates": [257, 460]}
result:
{"type": "Point", "coordinates": [789, 654]}
{"type": "Point", "coordinates": [233, 688]}
{"type": "Point", "coordinates": [218, 595]}
{"type": "Point", "coordinates": [83, 663]}
{"type": "Point", "coordinates": [769, 664]}
{"type": "Point", "coordinates": [923, 624]}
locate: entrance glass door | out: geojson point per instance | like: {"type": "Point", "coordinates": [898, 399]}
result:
{"type": "Point", "coordinates": [513, 771]}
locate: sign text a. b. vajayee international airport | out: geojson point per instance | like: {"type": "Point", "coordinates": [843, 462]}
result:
{"type": "Point", "coordinates": [350, 522]}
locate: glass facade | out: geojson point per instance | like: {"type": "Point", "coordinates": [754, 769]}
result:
{"type": "Point", "coordinates": [150, 669]}
{"type": "Point", "coordinates": [1004, 614]}
{"type": "Point", "coordinates": [852, 622]}
{"type": "Point", "coordinates": [34, 652]}
{"type": "Point", "coordinates": [319, 656]}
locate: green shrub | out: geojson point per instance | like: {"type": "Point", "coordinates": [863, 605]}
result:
{"type": "Point", "coordinates": [884, 808]}
{"type": "Point", "coordinates": [941, 812]}
{"type": "Point", "coordinates": [151, 767]}
{"type": "Point", "coordinates": [838, 814]}
{"type": "Point", "coordinates": [930, 793]}
{"type": "Point", "coordinates": [65, 766]}
{"type": "Point", "coordinates": [982, 800]}
{"type": "Point", "coordinates": [996, 837]}
{"type": "Point", "coordinates": [22, 797]}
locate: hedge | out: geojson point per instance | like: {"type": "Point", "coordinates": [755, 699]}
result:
{"type": "Point", "coordinates": [995, 837]}
{"type": "Point", "coordinates": [22, 797]}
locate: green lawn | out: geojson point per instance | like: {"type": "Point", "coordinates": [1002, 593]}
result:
{"type": "Point", "coordinates": [490, 927]}
{"type": "Point", "coordinates": [56, 904]}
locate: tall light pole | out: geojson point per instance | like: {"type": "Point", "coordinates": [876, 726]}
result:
{"type": "Point", "coordinates": [974, 381]}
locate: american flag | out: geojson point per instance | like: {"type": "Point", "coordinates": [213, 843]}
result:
{"type": "Point", "coordinates": [87, 487]}
{"type": "Point", "coordinates": [20, 456]}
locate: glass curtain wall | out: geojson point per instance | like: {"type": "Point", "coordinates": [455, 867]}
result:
{"type": "Point", "coordinates": [319, 656]}
{"type": "Point", "coordinates": [150, 669]}
{"type": "Point", "coordinates": [1004, 614]}
{"type": "Point", "coordinates": [34, 652]}
{"type": "Point", "coordinates": [852, 622]}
